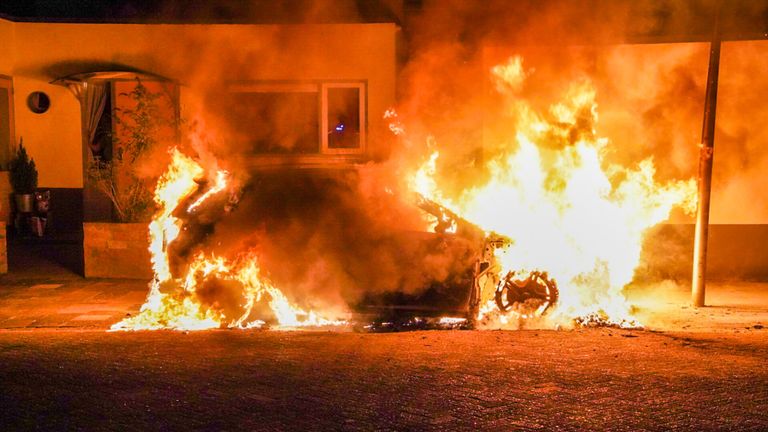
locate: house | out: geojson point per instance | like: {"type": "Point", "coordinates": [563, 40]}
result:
{"type": "Point", "coordinates": [338, 78]}
{"type": "Point", "coordinates": [339, 74]}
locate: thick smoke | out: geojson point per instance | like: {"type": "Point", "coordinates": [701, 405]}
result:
{"type": "Point", "coordinates": [650, 96]}
{"type": "Point", "coordinates": [320, 238]}
{"type": "Point", "coordinates": [335, 236]}
{"type": "Point", "coordinates": [328, 237]}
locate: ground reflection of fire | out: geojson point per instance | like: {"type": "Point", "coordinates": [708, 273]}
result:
{"type": "Point", "coordinates": [559, 211]}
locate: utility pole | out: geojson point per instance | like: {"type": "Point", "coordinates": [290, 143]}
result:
{"type": "Point", "coordinates": [706, 153]}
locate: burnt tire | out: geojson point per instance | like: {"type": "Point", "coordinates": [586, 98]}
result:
{"type": "Point", "coordinates": [535, 294]}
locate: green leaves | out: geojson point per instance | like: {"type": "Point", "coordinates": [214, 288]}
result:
{"type": "Point", "coordinates": [139, 124]}
{"type": "Point", "coordinates": [136, 134]}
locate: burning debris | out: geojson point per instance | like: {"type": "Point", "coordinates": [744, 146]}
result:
{"type": "Point", "coordinates": [193, 300]}
{"type": "Point", "coordinates": [547, 233]}
{"type": "Point", "coordinates": [598, 319]}
{"type": "Point", "coordinates": [418, 323]}
{"type": "Point", "coordinates": [564, 226]}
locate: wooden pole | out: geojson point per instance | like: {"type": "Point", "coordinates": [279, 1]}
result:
{"type": "Point", "coordinates": [706, 154]}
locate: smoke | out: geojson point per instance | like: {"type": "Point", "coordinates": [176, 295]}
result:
{"type": "Point", "coordinates": [325, 239]}
{"type": "Point", "coordinates": [455, 46]}
{"type": "Point", "coordinates": [333, 237]}
{"type": "Point", "coordinates": [650, 96]}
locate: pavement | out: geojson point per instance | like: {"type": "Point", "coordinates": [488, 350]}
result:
{"type": "Point", "coordinates": [56, 298]}
{"type": "Point", "coordinates": [64, 300]}
{"type": "Point", "coordinates": [690, 369]}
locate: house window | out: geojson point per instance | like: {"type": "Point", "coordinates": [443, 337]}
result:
{"type": "Point", "coordinates": [297, 118]}
{"type": "Point", "coordinates": [343, 118]}
{"type": "Point", "coordinates": [274, 118]}
{"type": "Point", "coordinates": [6, 120]}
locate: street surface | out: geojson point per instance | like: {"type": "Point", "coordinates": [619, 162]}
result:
{"type": "Point", "coordinates": [697, 369]}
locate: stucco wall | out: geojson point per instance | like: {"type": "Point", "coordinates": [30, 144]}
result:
{"type": "Point", "coordinates": [7, 46]}
{"type": "Point", "coordinates": [53, 138]}
{"type": "Point", "coordinates": [201, 57]}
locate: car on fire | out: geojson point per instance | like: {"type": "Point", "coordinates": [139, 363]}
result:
{"type": "Point", "coordinates": [464, 293]}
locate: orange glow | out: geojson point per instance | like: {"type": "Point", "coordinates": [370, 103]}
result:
{"type": "Point", "coordinates": [566, 210]}
{"type": "Point", "coordinates": [172, 302]}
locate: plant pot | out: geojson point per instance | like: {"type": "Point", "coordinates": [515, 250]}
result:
{"type": "Point", "coordinates": [25, 203]}
{"type": "Point", "coordinates": [43, 201]}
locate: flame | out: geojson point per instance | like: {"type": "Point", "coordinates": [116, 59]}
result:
{"type": "Point", "coordinates": [221, 183]}
{"type": "Point", "coordinates": [551, 190]}
{"type": "Point", "coordinates": [395, 126]}
{"type": "Point", "coordinates": [566, 209]}
{"type": "Point", "coordinates": [172, 302]}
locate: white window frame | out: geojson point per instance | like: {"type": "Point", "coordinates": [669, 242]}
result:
{"type": "Point", "coordinates": [6, 82]}
{"type": "Point", "coordinates": [321, 88]}
{"type": "Point", "coordinates": [325, 127]}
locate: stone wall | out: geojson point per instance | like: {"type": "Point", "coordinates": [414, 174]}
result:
{"type": "Point", "coordinates": [5, 196]}
{"type": "Point", "coordinates": [736, 252]}
{"type": "Point", "coordinates": [116, 250]}
{"type": "Point", "coordinates": [3, 249]}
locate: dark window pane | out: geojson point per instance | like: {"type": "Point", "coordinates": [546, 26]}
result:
{"type": "Point", "coordinates": [275, 122]}
{"type": "Point", "coordinates": [343, 118]}
{"type": "Point", "coordinates": [5, 125]}
{"type": "Point", "coordinates": [101, 146]}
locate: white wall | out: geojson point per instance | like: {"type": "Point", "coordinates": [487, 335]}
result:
{"type": "Point", "coordinates": [201, 57]}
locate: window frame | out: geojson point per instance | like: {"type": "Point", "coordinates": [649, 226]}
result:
{"type": "Point", "coordinates": [324, 126]}
{"type": "Point", "coordinates": [321, 89]}
{"type": "Point", "coordinates": [6, 82]}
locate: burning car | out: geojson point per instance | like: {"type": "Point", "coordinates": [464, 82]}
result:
{"type": "Point", "coordinates": [547, 221]}
{"type": "Point", "coordinates": [462, 295]}
{"type": "Point", "coordinates": [202, 277]}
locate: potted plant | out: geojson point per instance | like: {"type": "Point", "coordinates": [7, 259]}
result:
{"type": "Point", "coordinates": [23, 176]}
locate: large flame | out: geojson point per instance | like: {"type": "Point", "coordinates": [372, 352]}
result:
{"type": "Point", "coordinates": [566, 209]}
{"type": "Point", "coordinates": [550, 190]}
{"type": "Point", "coordinates": [172, 302]}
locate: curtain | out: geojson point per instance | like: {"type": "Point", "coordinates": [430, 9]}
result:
{"type": "Point", "coordinates": [93, 99]}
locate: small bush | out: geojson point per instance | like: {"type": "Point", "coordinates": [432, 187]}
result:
{"type": "Point", "coordinates": [23, 172]}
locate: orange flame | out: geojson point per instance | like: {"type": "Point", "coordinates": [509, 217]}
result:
{"type": "Point", "coordinates": [172, 302]}
{"type": "Point", "coordinates": [567, 210]}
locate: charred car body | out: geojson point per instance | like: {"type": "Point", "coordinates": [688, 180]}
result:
{"type": "Point", "coordinates": [528, 294]}
{"type": "Point", "coordinates": [316, 227]}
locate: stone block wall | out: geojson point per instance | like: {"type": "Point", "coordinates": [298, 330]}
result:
{"type": "Point", "coordinates": [3, 249]}
{"type": "Point", "coordinates": [5, 196]}
{"type": "Point", "coordinates": [116, 250]}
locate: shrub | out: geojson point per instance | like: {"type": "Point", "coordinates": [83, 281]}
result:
{"type": "Point", "coordinates": [23, 172]}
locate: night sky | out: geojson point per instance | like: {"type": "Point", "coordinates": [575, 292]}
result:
{"type": "Point", "coordinates": [202, 11]}
{"type": "Point", "coordinates": [740, 19]}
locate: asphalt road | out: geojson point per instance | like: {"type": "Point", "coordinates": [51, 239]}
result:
{"type": "Point", "coordinates": [691, 369]}
{"type": "Point", "coordinates": [596, 379]}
